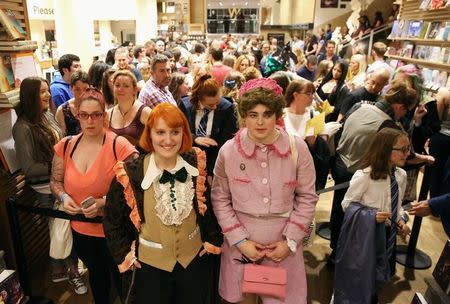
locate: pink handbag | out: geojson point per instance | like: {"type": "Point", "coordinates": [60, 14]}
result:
{"type": "Point", "coordinates": [264, 280]}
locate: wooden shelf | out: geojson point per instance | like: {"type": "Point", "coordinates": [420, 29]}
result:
{"type": "Point", "coordinates": [434, 42]}
{"type": "Point", "coordinates": [424, 63]}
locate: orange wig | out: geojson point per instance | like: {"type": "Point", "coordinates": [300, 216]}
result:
{"type": "Point", "coordinates": [174, 118]}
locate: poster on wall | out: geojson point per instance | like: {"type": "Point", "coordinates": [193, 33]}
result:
{"type": "Point", "coordinates": [329, 3]}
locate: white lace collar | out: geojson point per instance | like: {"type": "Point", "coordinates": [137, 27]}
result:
{"type": "Point", "coordinates": [153, 172]}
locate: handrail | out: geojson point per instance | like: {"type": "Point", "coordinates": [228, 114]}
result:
{"type": "Point", "coordinates": [369, 36]}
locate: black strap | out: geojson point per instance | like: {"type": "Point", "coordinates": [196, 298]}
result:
{"type": "Point", "coordinates": [75, 146]}
{"type": "Point", "coordinates": [66, 143]}
{"type": "Point", "coordinates": [114, 147]}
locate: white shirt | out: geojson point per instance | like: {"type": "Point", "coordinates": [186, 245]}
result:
{"type": "Point", "coordinates": [295, 124]}
{"type": "Point", "coordinates": [171, 213]}
{"type": "Point", "coordinates": [198, 117]}
{"type": "Point", "coordinates": [380, 64]}
{"type": "Point", "coordinates": [375, 193]}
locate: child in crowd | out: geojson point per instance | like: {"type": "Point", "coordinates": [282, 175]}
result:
{"type": "Point", "coordinates": [372, 220]}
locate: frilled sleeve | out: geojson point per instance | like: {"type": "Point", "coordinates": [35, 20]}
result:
{"type": "Point", "coordinates": [119, 229]}
{"type": "Point", "coordinates": [210, 229]}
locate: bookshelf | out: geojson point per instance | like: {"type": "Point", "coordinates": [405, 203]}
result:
{"type": "Point", "coordinates": [424, 63]}
{"type": "Point", "coordinates": [421, 36]}
{"type": "Point", "coordinates": [19, 8]}
{"type": "Point", "coordinates": [434, 42]}
{"type": "Point", "coordinates": [35, 240]}
{"type": "Point", "coordinates": [13, 50]}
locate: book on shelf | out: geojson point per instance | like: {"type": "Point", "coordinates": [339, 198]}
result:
{"type": "Point", "coordinates": [6, 73]}
{"type": "Point", "coordinates": [7, 148]}
{"type": "Point", "coordinates": [414, 29]}
{"type": "Point", "coordinates": [10, 287]}
{"type": "Point", "coordinates": [435, 54]}
{"type": "Point", "coordinates": [9, 94]}
{"type": "Point", "coordinates": [11, 24]}
{"type": "Point", "coordinates": [403, 28]}
{"type": "Point", "coordinates": [445, 55]}
{"type": "Point", "coordinates": [407, 49]}
{"type": "Point", "coordinates": [10, 102]}
{"type": "Point", "coordinates": [433, 29]}
{"type": "Point", "coordinates": [15, 46]}
{"type": "Point", "coordinates": [446, 31]}
{"type": "Point", "coordinates": [424, 4]}
{"type": "Point", "coordinates": [394, 31]}
{"type": "Point", "coordinates": [441, 272]}
{"type": "Point", "coordinates": [437, 4]}
{"type": "Point", "coordinates": [24, 65]}
{"type": "Point", "coordinates": [423, 30]}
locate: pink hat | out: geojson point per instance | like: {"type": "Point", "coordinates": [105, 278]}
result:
{"type": "Point", "coordinates": [265, 83]}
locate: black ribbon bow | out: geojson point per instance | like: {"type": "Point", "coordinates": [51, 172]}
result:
{"type": "Point", "coordinates": [180, 175]}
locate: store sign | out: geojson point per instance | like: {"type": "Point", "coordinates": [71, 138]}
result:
{"type": "Point", "coordinates": [40, 10]}
{"type": "Point", "coordinates": [233, 12]}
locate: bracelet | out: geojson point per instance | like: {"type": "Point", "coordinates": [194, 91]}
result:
{"type": "Point", "coordinates": [62, 196]}
{"type": "Point", "coordinates": [240, 242]}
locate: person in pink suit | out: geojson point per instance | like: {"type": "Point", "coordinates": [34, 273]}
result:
{"type": "Point", "coordinates": [263, 195]}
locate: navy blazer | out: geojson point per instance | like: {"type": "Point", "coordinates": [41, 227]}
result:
{"type": "Point", "coordinates": [224, 127]}
{"type": "Point", "coordinates": [359, 276]}
{"type": "Point", "coordinates": [440, 205]}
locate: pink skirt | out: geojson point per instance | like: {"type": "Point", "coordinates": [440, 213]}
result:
{"type": "Point", "coordinates": [264, 231]}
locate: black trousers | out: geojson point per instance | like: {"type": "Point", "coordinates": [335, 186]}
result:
{"type": "Point", "coordinates": [340, 175]}
{"type": "Point", "coordinates": [96, 256]}
{"type": "Point", "coordinates": [181, 286]}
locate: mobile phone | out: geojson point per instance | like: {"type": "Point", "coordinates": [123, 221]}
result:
{"type": "Point", "coordinates": [407, 207]}
{"type": "Point", "coordinates": [86, 203]}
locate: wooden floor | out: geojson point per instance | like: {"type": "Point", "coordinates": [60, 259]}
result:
{"type": "Point", "coordinates": [320, 282]}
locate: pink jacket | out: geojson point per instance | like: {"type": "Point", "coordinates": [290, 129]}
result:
{"type": "Point", "coordinates": [262, 180]}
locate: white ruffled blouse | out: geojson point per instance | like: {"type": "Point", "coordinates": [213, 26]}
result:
{"type": "Point", "coordinates": [171, 212]}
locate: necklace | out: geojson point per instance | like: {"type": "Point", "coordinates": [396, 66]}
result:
{"type": "Point", "coordinates": [126, 112]}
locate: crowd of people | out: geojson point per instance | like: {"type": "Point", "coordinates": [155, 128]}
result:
{"type": "Point", "coordinates": [200, 156]}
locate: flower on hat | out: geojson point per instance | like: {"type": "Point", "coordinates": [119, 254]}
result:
{"type": "Point", "coordinates": [265, 83]}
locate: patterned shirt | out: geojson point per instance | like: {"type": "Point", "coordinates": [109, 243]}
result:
{"type": "Point", "coordinates": [152, 95]}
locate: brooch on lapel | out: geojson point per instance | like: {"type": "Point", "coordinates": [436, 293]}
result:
{"type": "Point", "coordinates": [242, 166]}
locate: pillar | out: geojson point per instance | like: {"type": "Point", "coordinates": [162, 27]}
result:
{"type": "Point", "coordinates": [146, 20]}
{"type": "Point", "coordinates": [74, 30]}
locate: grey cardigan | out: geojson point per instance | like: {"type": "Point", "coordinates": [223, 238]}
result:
{"type": "Point", "coordinates": [35, 172]}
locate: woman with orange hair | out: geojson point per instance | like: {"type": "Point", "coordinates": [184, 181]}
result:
{"type": "Point", "coordinates": [161, 202]}
{"type": "Point", "coordinates": [212, 118]}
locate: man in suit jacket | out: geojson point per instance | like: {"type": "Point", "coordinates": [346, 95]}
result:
{"type": "Point", "coordinates": [221, 126]}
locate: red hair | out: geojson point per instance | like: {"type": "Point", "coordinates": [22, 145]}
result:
{"type": "Point", "coordinates": [174, 118]}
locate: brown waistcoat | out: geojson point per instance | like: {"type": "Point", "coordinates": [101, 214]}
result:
{"type": "Point", "coordinates": [179, 243]}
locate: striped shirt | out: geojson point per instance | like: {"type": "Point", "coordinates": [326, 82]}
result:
{"type": "Point", "coordinates": [152, 95]}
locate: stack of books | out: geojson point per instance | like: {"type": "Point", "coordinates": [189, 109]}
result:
{"type": "Point", "coordinates": [9, 99]}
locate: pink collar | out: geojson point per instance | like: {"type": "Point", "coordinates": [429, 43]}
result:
{"type": "Point", "coordinates": [247, 147]}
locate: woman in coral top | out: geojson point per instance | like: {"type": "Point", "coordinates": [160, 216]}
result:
{"type": "Point", "coordinates": [159, 221]}
{"type": "Point", "coordinates": [263, 195]}
{"type": "Point", "coordinates": [82, 169]}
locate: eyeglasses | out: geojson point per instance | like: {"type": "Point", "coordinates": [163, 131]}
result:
{"type": "Point", "coordinates": [310, 94]}
{"type": "Point", "coordinates": [404, 149]}
{"type": "Point", "coordinates": [93, 116]}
